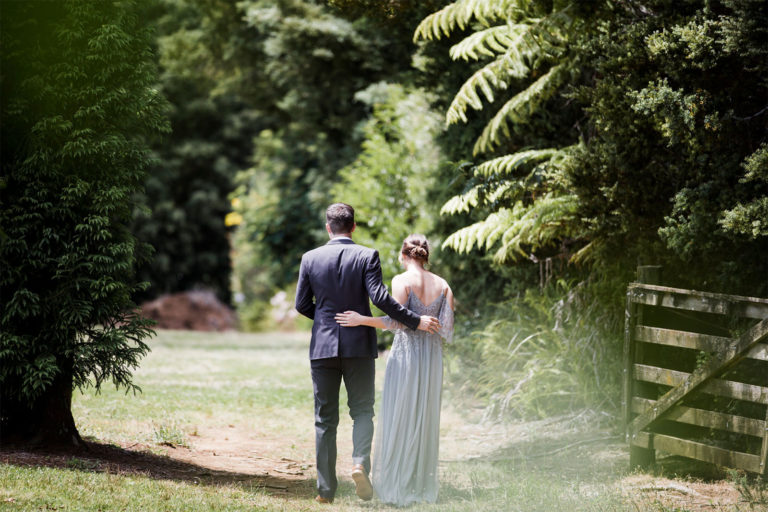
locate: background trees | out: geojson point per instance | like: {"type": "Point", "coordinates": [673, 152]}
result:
{"type": "Point", "coordinates": [676, 127]}
{"type": "Point", "coordinates": [580, 140]}
{"type": "Point", "coordinates": [78, 107]}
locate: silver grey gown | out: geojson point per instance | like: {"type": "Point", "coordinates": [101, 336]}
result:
{"type": "Point", "coordinates": [406, 451]}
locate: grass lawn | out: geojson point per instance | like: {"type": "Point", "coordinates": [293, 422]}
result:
{"type": "Point", "coordinates": [225, 422]}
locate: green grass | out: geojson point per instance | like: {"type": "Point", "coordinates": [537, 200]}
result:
{"type": "Point", "coordinates": [259, 386]}
{"type": "Point", "coordinates": [74, 489]}
{"type": "Point", "coordinates": [193, 378]}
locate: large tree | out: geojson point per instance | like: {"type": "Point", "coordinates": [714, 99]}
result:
{"type": "Point", "coordinates": [78, 106]}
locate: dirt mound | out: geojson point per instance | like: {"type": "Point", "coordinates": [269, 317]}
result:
{"type": "Point", "coordinates": [193, 310]}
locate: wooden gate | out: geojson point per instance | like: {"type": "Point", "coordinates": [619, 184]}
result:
{"type": "Point", "coordinates": [696, 376]}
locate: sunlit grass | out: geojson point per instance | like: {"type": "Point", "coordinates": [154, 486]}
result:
{"type": "Point", "coordinates": [193, 378]}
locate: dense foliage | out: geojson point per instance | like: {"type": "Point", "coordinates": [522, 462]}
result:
{"type": "Point", "coordinates": [670, 170]}
{"type": "Point", "coordinates": [396, 169]}
{"type": "Point", "coordinates": [621, 134]}
{"type": "Point", "coordinates": [300, 64]}
{"type": "Point", "coordinates": [78, 106]}
{"type": "Point", "coordinates": [580, 140]}
{"type": "Point", "coordinates": [182, 211]}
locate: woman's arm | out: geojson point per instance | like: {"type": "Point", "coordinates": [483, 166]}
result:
{"type": "Point", "coordinates": [353, 318]}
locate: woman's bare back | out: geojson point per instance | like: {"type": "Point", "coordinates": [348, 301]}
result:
{"type": "Point", "coordinates": [428, 287]}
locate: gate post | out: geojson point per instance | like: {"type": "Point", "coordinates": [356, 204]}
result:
{"type": "Point", "coordinates": [638, 457]}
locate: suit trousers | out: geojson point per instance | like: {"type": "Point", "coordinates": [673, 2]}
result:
{"type": "Point", "coordinates": [358, 376]}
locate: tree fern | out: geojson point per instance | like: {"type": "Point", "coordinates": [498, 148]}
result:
{"type": "Point", "coordinates": [544, 222]}
{"type": "Point", "coordinates": [463, 202]}
{"type": "Point", "coordinates": [526, 193]}
{"type": "Point", "coordinates": [521, 48]}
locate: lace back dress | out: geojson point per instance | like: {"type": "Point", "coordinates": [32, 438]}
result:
{"type": "Point", "coordinates": [406, 450]}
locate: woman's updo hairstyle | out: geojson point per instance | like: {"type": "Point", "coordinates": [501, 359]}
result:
{"type": "Point", "coordinates": [416, 247]}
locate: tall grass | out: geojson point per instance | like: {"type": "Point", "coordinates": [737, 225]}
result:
{"type": "Point", "coordinates": [548, 352]}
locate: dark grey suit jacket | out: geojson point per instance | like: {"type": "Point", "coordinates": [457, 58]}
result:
{"type": "Point", "coordinates": [337, 277]}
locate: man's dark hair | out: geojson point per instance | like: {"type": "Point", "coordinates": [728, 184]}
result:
{"type": "Point", "coordinates": [340, 217]}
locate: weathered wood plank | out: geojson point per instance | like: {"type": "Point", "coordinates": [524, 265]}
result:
{"type": "Point", "coordinates": [691, 300]}
{"type": "Point", "coordinates": [719, 387]}
{"type": "Point", "coordinates": [759, 351]}
{"type": "Point", "coordinates": [705, 418]}
{"type": "Point", "coordinates": [699, 451]}
{"type": "Point", "coordinates": [718, 363]}
{"type": "Point", "coordinates": [693, 340]}
{"type": "Point", "coordinates": [638, 457]}
{"type": "Point", "coordinates": [684, 339]}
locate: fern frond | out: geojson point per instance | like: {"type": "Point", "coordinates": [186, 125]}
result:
{"type": "Point", "coordinates": [520, 230]}
{"type": "Point", "coordinates": [505, 191]}
{"type": "Point", "coordinates": [490, 77]}
{"type": "Point", "coordinates": [508, 163]}
{"type": "Point", "coordinates": [461, 13]}
{"type": "Point", "coordinates": [482, 234]}
{"type": "Point", "coordinates": [486, 79]}
{"type": "Point", "coordinates": [490, 42]}
{"type": "Point", "coordinates": [462, 202]}
{"type": "Point", "coordinates": [519, 109]}
{"type": "Point", "coordinates": [537, 225]}
{"type": "Point", "coordinates": [584, 254]}
{"type": "Point", "coordinates": [526, 48]}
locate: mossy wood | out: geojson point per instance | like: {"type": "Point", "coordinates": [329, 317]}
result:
{"type": "Point", "coordinates": [696, 376]}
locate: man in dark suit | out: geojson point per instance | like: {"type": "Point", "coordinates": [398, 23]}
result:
{"type": "Point", "coordinates": [341, 276]}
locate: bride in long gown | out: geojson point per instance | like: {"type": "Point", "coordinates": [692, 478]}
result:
{"type": "Point", "coordinates": [406, 451]}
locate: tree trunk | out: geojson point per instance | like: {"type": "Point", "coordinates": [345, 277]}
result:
{"type": "Point", "coordinates": [46, 422]}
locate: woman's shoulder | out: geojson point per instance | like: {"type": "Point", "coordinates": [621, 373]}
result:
{"type": "Point", "coordinates": [406, 280]}
{"type": "Point", "coordinates": [400, 278]}
{"type": "Point", "coordinates": [441, 281]}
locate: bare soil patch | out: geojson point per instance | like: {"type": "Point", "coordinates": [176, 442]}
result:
{"type": "Point", "coordinates": [197, 310]}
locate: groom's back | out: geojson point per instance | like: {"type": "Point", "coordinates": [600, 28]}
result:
{"type": "Point", "coordinates": [337, 273]}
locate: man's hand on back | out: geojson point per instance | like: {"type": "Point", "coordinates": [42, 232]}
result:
{"type": "Point", "coordinates": [429, 324]}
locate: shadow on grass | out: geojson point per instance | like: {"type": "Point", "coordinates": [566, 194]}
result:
{"type": "Point", "coordinates": [112, 459]}
{"type": "Point", "coordinates": [571, 454]}
{"type": "Point", "coordinates": [675, 466]}
{"type": "Point", "coordinates": [595, 456]}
